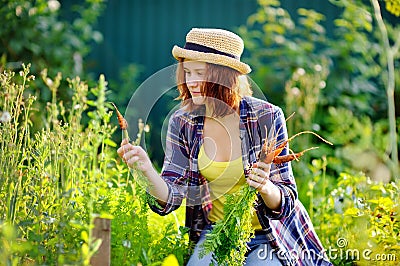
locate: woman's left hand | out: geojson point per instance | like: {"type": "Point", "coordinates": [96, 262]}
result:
{"type": "Point", "coordinates": [259, 178]}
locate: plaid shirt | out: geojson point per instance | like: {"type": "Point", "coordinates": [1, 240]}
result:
{"type": "Point", "coordinates": [289, 230]}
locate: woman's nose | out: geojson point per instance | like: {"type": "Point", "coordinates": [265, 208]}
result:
{"type": "Point", "coordinates": [193, 80]}
{"type": "Point", "coordinates": [192, 83]}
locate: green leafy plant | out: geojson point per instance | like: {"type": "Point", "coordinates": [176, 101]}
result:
{"type": "Point", "coordinates": [49, 203]}
{"type": "Point", "coordinates": [57, 180]}
{"type": "Point", "coordinates": [38, 32]}
{"type": "Point", "coordinates": [393, 6]}
{"type": "Point", "coordinates": [389, 52]}
{"type": "Point", "coordinates": [360, 144]}
{"type": "Point", "coordinates": [227, 241]}
{"type": "Point", "coordinates": [35, 31]}
{"type": "Point", "coordinates": [360, 215]}
{"type": "Point", "coordinates": [353, 62]}
{"type": "Point", "coordinates": [303, 93]}
{"type": "Point", "coordinates": [279, 45]}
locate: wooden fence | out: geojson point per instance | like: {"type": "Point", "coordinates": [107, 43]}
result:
{"type": "Point", "coordinates": [102, 230]}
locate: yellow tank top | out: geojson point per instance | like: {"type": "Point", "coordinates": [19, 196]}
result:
{"type": "Point", "coordinates": [222, 177]}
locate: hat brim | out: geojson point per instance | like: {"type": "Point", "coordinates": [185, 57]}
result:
{"type": "Point", "coordinates": [217, 59]}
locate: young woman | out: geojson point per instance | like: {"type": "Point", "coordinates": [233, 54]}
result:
{"type": "Point", "coordinates": [216, 134]}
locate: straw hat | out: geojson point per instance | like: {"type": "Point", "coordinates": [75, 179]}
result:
{"type": "Point", "coordinates": [215, 46]}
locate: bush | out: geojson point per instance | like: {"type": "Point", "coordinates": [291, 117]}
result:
{"type": "Point", "coordinates": [359, 221]}
{"type": "Point", "coordinates": [55, 182]}
{"type": "Point", "coordinates": [36, 32]}
{"type": "Point", "coordinates": [325, 76]}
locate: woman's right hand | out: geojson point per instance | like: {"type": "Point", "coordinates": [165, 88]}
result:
{"type": "Point", "coordinates": [135, 156]}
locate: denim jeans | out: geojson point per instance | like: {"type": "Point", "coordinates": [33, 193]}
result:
{"type": "Point", "coordinates": [260, 253]}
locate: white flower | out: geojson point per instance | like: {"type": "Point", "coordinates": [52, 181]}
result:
{"type": "Point", "coordinates": [316, 127]}
{"type": "Point", "coordinates": [32, 11]}
{"type": "Point", "coordinates": [49, 82]}
{"type": "Point", "coordinates": [279, 39]}
{"type": "Point", "coordinates": [322, 84]}
{"type": "Point", "coordinates": [53, 5]}
{"type": "Point", "coordinates": [49, 220]}
{"type": "Point", "coordinates": [300, 71]}
{"type": "Point", "coordinates": [5, 117]}
{"type": "Point", "coordinates": [140, 124]}
{"type": "Point", "coordinates": [318, 68]}
{"type": "Point", "coordinates": [295, 91]}
{"type": "Point", "coordinates": [280, 11]}
{"type": "Point", "coordinates": [126, 243]}
{"type": "Point", "coordinates": [18, 11]}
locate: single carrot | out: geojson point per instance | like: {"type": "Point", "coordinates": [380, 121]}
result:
{"type": "Point", "coordinates": [268, 155]}
{"type": "Point", "coordinates": [281, 146]}
{"type": "Point", "coordinates": [122, 123]}
{"type": "Point", "coordinates": [290, 157]}
{"type": "Point", "coordinates": [287, 158]}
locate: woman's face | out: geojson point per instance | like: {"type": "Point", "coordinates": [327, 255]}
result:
{"type": "Point", "coordinates": [194, 77]}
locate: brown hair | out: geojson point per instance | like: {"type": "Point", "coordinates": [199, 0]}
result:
{"type": "Point", "coordinates": [220, 86]}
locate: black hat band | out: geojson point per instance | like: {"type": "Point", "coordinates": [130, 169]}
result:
{"type": "Point", "coordinates": [205, 49]}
